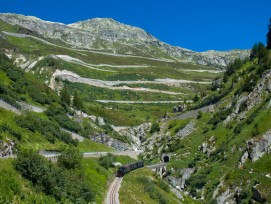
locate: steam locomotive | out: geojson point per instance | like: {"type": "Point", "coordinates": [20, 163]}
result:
{"type": "Point", "coordinates": [129, 167]}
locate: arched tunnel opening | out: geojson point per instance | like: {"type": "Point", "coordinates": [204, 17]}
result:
{"type": "Point", "coordinates": [166, 159]}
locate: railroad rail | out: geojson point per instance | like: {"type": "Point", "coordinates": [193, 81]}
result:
{"type": "Point", "coordinates": [113, 193]}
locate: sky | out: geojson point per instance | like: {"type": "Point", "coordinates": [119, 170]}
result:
{"type": "Point", "coordinates": [192, 24]}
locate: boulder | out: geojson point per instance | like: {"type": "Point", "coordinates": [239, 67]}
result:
{"type": "Point", "coordinates": [257, 147]}
{"type": "Point", "coordinates": [257, 195]}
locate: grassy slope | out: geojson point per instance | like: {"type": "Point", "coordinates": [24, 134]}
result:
{"type": "Point", "coordinates": [223, 162]}
{"type": "Point", "coordinates": [143, 186]}
{"type": "Point", "coordinates": [32, 49]}
{"type": "Point", "coordinates": [16, 189]}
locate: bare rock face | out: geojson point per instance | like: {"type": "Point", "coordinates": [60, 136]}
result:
{"type": "Point", "coordinates": [226, 197]}
{"type": "Point", "coordinates": [105, 33]}
{"type": "Point", "coordinates": [7, 149]}
{"type": "Point", "coordinates": [135, 134]}
{"type": "Point", "coordinates": [257, 147]}
{"type": "Point", "coordinates": [180, 182]}
{"type": "Point", "coordinates": [208, 146]}
{"type": "Point", "coordinates": [257, 194]}
{"type": "Point", "coordinates": [187, 130]}
{"type": "Point", "coordinates": [109, 141]}
{"type": "Point", "coordinates": [225, 194]}
{"type": "Point", "coordinates": [243, 159]}
{"type": "Point", "coordinates": [252, 99]}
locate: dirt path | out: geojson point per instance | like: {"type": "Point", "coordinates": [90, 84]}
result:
{"type": "Point", "coordinates": [19, 35]}
{"type": "Point", "coordinates": [192, 113]}
{"type": "Point", "coordinates": [74, 78]}
{"type": "Point", "coordinates": [139, 102]}
{"type": "Point", "coordinates": [113, 193]}
{"type": "Point", "coordinates": [9, 107]}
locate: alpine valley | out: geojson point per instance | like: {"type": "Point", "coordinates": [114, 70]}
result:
{"type": "Point", "coordinates": [79, 100]}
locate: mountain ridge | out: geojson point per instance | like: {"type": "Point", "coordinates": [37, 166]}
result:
{"type": "Point", "coordinates": [113, 36]}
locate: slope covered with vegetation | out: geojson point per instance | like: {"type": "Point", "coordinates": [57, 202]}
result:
{"type": "Point", "coordinates": [224, 157]}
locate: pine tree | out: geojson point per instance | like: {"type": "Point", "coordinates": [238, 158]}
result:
{"type": "Point", "coordinates": [65, 97]}
{"type": "Point", "coordinates": [254, 50]}
{"type": "Point", "coordinates": [77, 101]}
{"type": "Point", "coordinates": [262, 53]}
{"type": "Point", "coordinates": [269, 36]}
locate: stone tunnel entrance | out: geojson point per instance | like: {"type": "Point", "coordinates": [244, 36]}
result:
{"type": "Point", "coordinates": [166, 159]}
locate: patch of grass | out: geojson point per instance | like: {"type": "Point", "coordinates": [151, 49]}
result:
{"type": "Point", "coordinates": [143, 186]}
{"type": "Point", "coordinates": [90, 146]}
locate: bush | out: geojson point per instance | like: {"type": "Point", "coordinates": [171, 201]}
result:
{"type": "Point", "coordinates": [220, 116]}
{"type": "Point", "coordinates": [154, 193]}
{"type": "Point", "coordinates": [106, 161]}
{"type": "Point", "coordinates": [8, 129]}
{"type": "Point", "coordinates": [53, 180]}
{"type": "Point", "coordinates": [200, 114]}
{"type": "Point", "coordinates": [176, 145]}
{"type": "Point", "coordinates": [70, 158]}
{"type": "Point", "coordinates": [59, 114]}
{"type": "Point", "coordinates": [155, 128]}
{"type": "Point", "coordinates": [48, 129]}
{"type": "Point", "coordinates": [162, 184]}
{"type": "Point", "coordinates": [234, 66]}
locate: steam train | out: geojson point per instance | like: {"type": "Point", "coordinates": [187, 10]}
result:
{"type": "Point", "coordinates": [129, 167]}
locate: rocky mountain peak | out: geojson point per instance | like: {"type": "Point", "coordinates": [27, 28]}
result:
{"type": "Point", "coordinates": [109, 34]}
{"type": "Point", "coordinates": [110, 29]}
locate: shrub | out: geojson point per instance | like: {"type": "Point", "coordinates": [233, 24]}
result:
{"type": "Point", "coordinates": [52, 180]}
{"type": "Point", "coordinates": [106, 161]}
{"type": "Point", "coordinates": [48, 129]}
{"type": "Point", "coordinates": [200, 114]}
{"type": "Point", "coordinates": [162, 184]}
{"type": "Point", "coordinates": [70, 158]}
{"type": "Point", "coordinates": [59, 114]}
{"type": "Point", "coordinates": [155, 128]}
{"type": "Point", "coordinates": [7, 128]}
{"type": "Point", "coordinates": [171, 124]}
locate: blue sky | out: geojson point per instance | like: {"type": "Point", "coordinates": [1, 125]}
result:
{"type": "Point", "coordinates": [193, 24]}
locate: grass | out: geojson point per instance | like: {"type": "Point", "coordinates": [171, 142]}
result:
{"type": "Point", "coordinates": [143, 186]}
{"type": "Point", "coordinates": [90, 146]}
{"type": "Point", "coordinates": [15, 189]}
{"type": "Point", "coordinates": [33, 49]}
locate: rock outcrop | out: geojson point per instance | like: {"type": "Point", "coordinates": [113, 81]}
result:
{"type": "Point", "coordinates": [109, 141]}
{"type": "Point", "coordinates": [179, 182]}
{"type": "Point", "coordinates": [247, 101]}
{"type": "Point", "coordinates": [135, 134]}
{"type": "Point", "coordinates": [187, 130]}
{"type": "Point", "coordinates": [8, 148]}
{"type": "Point", "coordinates": [257, 194]}
{"type": "Point", "coordinates": [257, 147]}
{"type": "Point", "coordinates": [208, 146]}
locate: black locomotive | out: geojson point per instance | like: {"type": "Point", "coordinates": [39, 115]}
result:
{"type": "Point", "coordinates": [129, 167]}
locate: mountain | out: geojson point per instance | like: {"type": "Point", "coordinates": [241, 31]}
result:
{"type": "Point", "coordinates": [219, 150]}
{"type": "Point", "coordinates": [202, 119]}
{"type": "Point", "coordinates": [114, 37]}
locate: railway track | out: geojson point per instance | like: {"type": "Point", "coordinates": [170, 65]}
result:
{"type": "Point", "coordinates": [113, 193]}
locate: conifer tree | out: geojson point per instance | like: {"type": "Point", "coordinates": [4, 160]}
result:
{"type": "Point", "coordinates": [269, 36]}
{"type": "Point", "coordinates": [262, 53]}
{"type": "Point", "coordinates": [65, 97]}
{"type": "Point", "coordinates": [77, 101]}
{"type": "Point", "coordinates": [254, 50]}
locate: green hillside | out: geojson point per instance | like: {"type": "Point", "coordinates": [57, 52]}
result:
{"type": "Point", "coordinates": [43, 57]}
{"type": "Point", "coordinates": [211, 126]}
{"type": "Point", "coordinates": [228, 148]}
